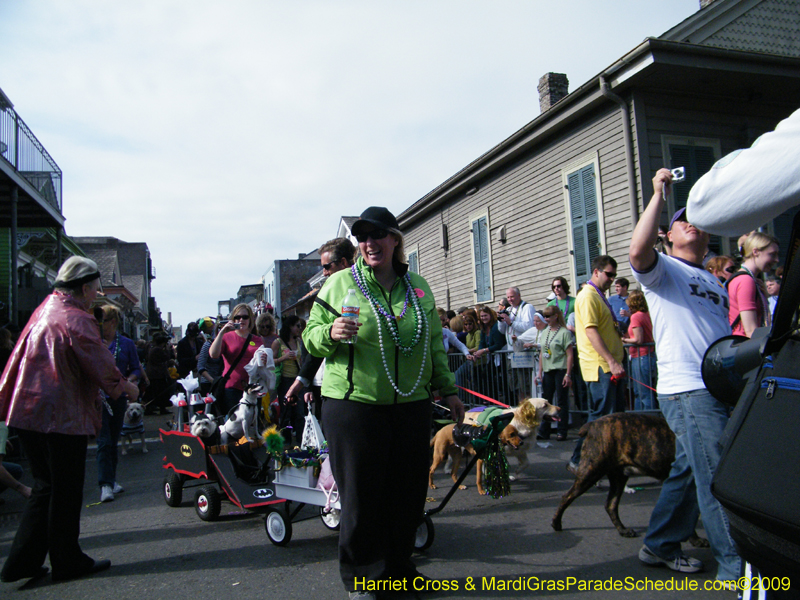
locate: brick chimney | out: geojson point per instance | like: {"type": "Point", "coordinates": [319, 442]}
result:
{"type": "Point", "coordinates": [552, 88]}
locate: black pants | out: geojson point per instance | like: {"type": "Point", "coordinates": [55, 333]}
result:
{"type": "Point", "coordinates": [229, 400]}
{"type": "Point", "coordinates": [380, 460]}
{"type": "Point", "coordinates": [553, 389]}
{"type": "Point", "coordinates": [292, 414]}
{"type": "Point", "coordinates": [51, 519]}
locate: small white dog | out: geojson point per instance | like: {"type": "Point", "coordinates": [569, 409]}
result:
{"type": "Point", "coordinates": [243, 418]}
{"type": "Point", "coordinates": [203, 427]}
{"type": "Point", "coordinates": [133, 425]}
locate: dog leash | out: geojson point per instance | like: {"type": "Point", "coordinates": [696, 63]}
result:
{"type": "Point", "coordinates": [492, 400]}
{"type": "Point", "coordinates": [640, 383]}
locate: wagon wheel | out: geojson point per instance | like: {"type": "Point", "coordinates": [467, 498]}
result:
{"type": "Point", "coordinates": [173, 489]}
{"type": "Point", "coordinates": [424, 536]}
{"type": "Point", "coordinates": [207, 503]}
{"type": "Point", "coordinates": [278, 527]}
{"type": "Point", "coordinates": [330, 519]}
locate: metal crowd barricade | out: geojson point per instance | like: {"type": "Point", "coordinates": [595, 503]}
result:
{"type": "Point", "coordinates": [508, 379]}
{"type": "Point", "coordinates": [499, 375]}
{"type": "Point", "coordinates": [641, 382]}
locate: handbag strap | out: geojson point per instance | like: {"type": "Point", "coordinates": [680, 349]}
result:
{"type": "Point", "coordinates": [238, 358]}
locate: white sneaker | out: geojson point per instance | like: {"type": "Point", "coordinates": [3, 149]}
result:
{"type": "Point", "coordinates": [682, 563]}
{"type": "Point", "coordinates": [117, 489]}
{"type": "Point", "coordinates": [106, 494]}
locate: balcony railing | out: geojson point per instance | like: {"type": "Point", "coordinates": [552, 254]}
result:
{"type": "Point", "coordinates": [20, 148]}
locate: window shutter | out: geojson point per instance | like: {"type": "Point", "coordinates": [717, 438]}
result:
{"type": "Point", "coordinates": [480, 245]}
{"type": "Point", "coordinates": [585, 224]}
{"type": "Point", "coordinates": [413, 262]}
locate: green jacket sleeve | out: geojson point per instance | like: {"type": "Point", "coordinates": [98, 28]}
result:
{"type": "Point", "coordinates": [317, 334]}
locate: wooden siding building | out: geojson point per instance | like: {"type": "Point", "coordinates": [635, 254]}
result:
{"type": "Point", "coordinates": [571, 184]}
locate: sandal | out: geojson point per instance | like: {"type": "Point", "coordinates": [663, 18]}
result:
{"type": "Point", "coordinates": [562, 437]}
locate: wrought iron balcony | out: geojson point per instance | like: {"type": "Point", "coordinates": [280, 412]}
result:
{"type": "Point", "coordinates": [26, 154]}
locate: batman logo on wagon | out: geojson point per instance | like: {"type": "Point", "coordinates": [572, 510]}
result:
{"type": "Point", "coordinates": [263, 493]}
{"type": "Point", "coordinates": [186, 450]}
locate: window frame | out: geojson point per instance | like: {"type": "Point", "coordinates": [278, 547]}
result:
{"type": "Point", "coordinates": [413, 250]}
{"type": "Point", "coordinates": [727, 245]}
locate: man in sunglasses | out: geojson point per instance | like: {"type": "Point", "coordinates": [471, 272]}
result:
{"type": "Point", "coordinates": [689, 310]}
{"type": "Point", "coordinates": [334, 255]}
{"type": "Point", "coordinates": [600, 351]}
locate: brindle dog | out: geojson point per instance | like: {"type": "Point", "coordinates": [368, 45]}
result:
{"type": "Point", "coordinates": [618, 446]}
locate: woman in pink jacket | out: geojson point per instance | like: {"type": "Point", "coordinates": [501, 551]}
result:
{"type": "Point", "coordinates": [49, 392]}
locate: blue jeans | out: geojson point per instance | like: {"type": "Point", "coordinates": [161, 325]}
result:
{"type": "Point", "coordinates": [605, 398]}
{"type": "Point", "coordinates": [644, 369]}
{"type": "Point", "coordinates": [107, 441]}
{"type": "Point", "coordinates": [698, 420]}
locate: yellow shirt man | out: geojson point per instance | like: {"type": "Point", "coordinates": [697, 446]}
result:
{"type": "Point", "coordinates": [592, 311]}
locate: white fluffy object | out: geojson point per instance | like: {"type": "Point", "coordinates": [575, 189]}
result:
{"type": "Point", "coordinates": [750, 187]}
{"type": "Point", "coordinates": [261, 369]}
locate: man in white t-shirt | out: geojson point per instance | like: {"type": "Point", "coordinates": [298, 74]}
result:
{"type": "Point", "coordinates": [689, 311]}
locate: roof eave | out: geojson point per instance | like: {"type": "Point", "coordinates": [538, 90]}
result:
{"type": "Point", "coordinates": [588, 96]}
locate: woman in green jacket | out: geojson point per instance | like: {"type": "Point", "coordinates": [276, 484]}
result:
{"type": "Point", "coordinates": [378, 393]}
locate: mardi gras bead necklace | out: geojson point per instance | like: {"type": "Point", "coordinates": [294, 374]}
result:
{"type": "Point", "coordinates": [116, 348]}
{"type": "Point", "coordinates": [389, 320]}
{"type": "Point", "coordinates": [547, 340]}
{"type": "Point", "coordinates": [386, 364]}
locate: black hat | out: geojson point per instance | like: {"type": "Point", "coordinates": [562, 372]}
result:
{"type": "Point", "coordinates": [377, 216]}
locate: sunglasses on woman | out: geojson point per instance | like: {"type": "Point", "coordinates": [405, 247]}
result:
{"type": "Point", "coordinates": [375, 234]}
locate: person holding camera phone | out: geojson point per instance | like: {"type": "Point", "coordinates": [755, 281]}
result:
{"type": "Point", "coordinates": [679, 290]}
{"type": "Point", "coordinates": [233, 337]}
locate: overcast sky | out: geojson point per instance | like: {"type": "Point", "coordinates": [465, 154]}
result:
{"type": "Point", "coordinates": [227, 135]}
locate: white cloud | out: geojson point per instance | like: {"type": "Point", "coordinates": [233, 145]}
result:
{"type": "Point", "coordinates": [228, 135]}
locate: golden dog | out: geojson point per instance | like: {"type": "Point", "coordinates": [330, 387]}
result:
{"type": "Point", "coordinates": [527, 417]}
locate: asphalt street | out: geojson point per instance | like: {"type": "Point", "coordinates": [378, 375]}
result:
{"type": "Point", "coordinates": [493, 546]}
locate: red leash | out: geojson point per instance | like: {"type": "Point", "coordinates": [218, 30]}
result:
{"type": "Point", "coordinates": [492, 400]}
{"type": "Point", "coordinates": [640, 383]}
